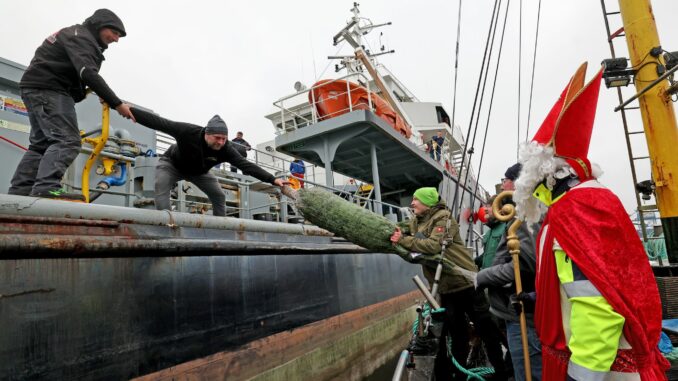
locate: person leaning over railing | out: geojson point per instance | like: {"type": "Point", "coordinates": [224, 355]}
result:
{"type": "Point", "coordinates": [196, 151]}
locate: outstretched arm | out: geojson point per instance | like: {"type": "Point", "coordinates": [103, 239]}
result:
{"type": "Point", "coordinates": [247, 167]}
{"type": "Point", "coordinates": [155, 122]}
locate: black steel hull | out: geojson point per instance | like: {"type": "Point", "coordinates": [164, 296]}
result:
{"type": "Point", "coordinates": [119, 318]}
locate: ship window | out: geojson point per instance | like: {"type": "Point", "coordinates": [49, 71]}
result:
{"type": "Point", "coordinates": [442, 115]}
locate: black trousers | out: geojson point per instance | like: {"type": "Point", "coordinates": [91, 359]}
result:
{"type": "Point", "coordinates": [54, 142]}
{"type": "Point", "coordinates": [167, 175]}
{"type": "Point", "coordinates": [460, 306]}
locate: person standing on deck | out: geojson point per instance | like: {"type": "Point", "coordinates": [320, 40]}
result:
{"type": "Point", "coordinates": [598, 312]}
{"type": "Point", "coordinates": [64, 66]}
{"type": "Point", "coordinates": [436, 146]}
{"type": "Point", "coordinates": [196, 151]}
{"type": "Point", "coordinates": [242, 146]}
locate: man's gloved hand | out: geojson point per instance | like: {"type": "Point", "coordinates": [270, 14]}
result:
{"type": "Point", "coordinates": [528, 299]}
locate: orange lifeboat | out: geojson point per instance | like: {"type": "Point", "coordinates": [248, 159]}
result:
{"type": "Point", "coordinates": [331, 99]}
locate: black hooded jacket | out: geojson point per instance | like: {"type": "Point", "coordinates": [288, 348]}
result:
{"type": "Point", "coordinates": [191, 155]}
{"type": "Point", "coordinates": [69, 60]}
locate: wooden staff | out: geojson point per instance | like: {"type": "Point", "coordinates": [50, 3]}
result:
{"type": "Point", "coordinates": [505, 213]}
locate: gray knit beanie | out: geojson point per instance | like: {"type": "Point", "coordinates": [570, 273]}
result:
{"type": "Point", "coordinates": [216, 125]}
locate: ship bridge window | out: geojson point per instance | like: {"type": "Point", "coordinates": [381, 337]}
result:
{"type": "Point", "coordinates": [442, 115]}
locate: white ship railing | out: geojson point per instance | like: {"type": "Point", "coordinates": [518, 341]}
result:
{"type": "Point", "coordinates": [290, 106]}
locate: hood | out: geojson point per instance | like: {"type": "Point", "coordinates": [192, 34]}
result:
{"type": "Point", "coordinates": [104, 18]}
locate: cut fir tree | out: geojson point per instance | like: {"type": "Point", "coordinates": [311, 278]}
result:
{"type": "Point", "coordinates": [354, 223]}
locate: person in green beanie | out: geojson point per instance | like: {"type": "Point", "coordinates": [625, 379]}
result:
{"type": "Point", "coordinates": [423, 236]}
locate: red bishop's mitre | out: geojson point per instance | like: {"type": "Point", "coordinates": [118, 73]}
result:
{"type": "Point", "coordinates": [569, 124]}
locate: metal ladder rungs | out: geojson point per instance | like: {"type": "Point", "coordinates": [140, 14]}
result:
{"type": "Point", "coordinates": [610, 37]}
{"type": "Point", "coordinates": [647, 208]}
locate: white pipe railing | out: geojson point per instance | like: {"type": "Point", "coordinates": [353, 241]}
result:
{"type": "Point", "coordinates": [286, 111]}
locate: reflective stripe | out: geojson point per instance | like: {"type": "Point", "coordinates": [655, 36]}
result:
{"type": "Point", "coordinates": [580, 288]}
{"type": "Point", "coordinates": [81, 70]}
{"type": "Point", "coordinates": [580, 373]}
{"type": "Point", "coordinates": [542, 242]}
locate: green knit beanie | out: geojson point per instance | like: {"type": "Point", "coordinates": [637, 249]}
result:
{"type": "Point", "coordinates": [427, 196]}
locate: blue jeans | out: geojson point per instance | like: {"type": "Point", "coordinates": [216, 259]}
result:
{"type": "Point", "coordinates": [516, 349]}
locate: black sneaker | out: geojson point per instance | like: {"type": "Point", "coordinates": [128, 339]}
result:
{"type": "Point", "coordinates": [60, 194]}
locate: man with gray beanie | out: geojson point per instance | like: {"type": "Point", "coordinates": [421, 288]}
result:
{"type": "Point", "coordinates": [195, 152]}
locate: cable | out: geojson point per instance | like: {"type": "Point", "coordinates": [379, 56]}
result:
{"type": "Point", "coordinates": [455, 209]}
{"type": "Point", "coordinates": [482, 78]}
{"type": "Point", "coordinates": [454, 103]}
{"type": "Point", "coordinates": [456, 71]}
{"type": "Point", "coordinates": [520, 59]}
{"type": "Point", "coordinates": [489, 112]}
{"type": "Point", "coordinates": [534, 62]}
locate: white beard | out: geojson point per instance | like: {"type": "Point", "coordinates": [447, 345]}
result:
{"type": "Point", "coordinates": [539, 163]}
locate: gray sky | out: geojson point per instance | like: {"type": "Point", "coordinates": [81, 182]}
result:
{"type": "Point", "coordinates": [190, 60]}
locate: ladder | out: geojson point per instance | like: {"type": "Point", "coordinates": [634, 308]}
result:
{"type": "Point", "coordinates": [641, 209]}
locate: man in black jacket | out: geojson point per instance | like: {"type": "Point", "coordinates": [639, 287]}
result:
{"type": "Point", "coordinates": [63, 67]}
{"type": "Point", "coordinates": [196, 151]}
{"type": "Point", "coordinates": [499, 280]}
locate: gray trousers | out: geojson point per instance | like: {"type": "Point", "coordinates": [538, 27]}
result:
{"type": "Point", "coordinates": [166, 175]}
{"type": "Point", "coordinates": [54, 142]}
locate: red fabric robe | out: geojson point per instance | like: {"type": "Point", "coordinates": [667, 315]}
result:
{"type": "Point", "coordinates": [592, 227]}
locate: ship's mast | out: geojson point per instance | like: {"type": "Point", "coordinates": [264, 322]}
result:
{"type": "Point", "coordinates": [657, 111]}
{"type": "Point", "coordinates": [352, 33]}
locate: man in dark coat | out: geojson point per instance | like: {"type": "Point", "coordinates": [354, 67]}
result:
{"type": "Point", "coordinates": [64, 66]}
{"type": "Point", "coordinates": [196, 151]}
{"type": "Point", "coordinates": [242, 146]}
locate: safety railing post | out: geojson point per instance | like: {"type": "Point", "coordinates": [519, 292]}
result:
{"type": "Point", "coordinates": [348, 90]}
{"type": "Point", "coordinates": [314, 115]}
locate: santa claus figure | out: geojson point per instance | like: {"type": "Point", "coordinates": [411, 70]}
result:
{"type": "Point", "coordinates": [598, 311]}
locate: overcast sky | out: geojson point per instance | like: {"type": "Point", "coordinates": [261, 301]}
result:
{"type": "Point", "coordinates": [190, 60]}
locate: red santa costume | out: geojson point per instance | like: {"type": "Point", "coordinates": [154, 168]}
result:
{"type": "Point", "coordinates": [598, 311]}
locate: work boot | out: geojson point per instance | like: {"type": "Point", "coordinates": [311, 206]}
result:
{"type": "Point", "coordinates": [60, 194]}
